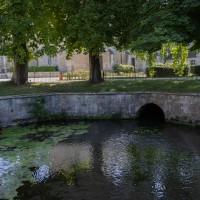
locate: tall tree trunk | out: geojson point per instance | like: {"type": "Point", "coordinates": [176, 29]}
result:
{"type": "Point", "coordinates": [95, 69]}
{"type": "Point", "coordinates": [20, 73]}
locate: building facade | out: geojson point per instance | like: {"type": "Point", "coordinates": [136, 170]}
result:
{"type": "Point", "coordinates": [81, 61]}
{"type": "Point", "coordinates": [193, 58]}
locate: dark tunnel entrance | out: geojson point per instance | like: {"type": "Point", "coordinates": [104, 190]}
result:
{"type": "Point", "coordinates": [151, 112]}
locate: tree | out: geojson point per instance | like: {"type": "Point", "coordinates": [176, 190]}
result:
{"type": "Point", "coordinates": [164, 21]}
{"type": "Point", "coordinates": [26, 29]}
{"type": "Point", "coordinates": [86, 29]}
{"type": "Point", "coordinates": [89, 26]}
{"type": "Point", "coordinates": [164, 25]}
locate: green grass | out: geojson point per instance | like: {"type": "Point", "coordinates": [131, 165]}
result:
{"type": "Point", "coordinates": [7, 88]}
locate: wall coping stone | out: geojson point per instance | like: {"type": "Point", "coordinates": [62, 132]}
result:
{"type": "Point", "coordinates": [96, 93]}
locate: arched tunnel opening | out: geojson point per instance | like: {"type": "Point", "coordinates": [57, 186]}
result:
{"type": "Point", "coordinates": [151, 112]}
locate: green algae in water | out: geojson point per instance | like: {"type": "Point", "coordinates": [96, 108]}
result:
{"type": "Point", "coordinates": [26, 148]}
{"type": "Point", "coordinates": [70, 174]}
{"type": "Point", "coordinates": [148, 131]}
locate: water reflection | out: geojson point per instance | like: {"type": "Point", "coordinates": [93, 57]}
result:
{"type": "Point", "coordinates": [63, 155]}
{"type": "Point", "coordinates": [115, 160]}
{"type": "Point", "coordinates": [115, 157]}
{"type": "Point", "coordinates": [42, 173]}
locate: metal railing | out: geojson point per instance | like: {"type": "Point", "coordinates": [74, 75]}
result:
{"type": "Point", "coordinates": [74, 76]}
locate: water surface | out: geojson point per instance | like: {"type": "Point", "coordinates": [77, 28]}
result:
{"type": "Point", "coordinates": [102, 160]}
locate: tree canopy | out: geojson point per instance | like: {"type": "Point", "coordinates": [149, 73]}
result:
{"type": "Point", "coordinates": [33, 28]}
{"type": "Point", "coordinates": [164, 21]}
{"type": "Point", "coordinates": [89, 26]}
{"type": "Point", "coordinates": [27, 29]}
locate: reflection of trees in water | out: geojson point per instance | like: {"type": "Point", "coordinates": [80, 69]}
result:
{"type": "Point", "coordinates": [24, 154]}
{"type": "Point", "coordinates": [168, 170]}
{"type": "Point", "coordinates": [120, 160]}
{"type": "Point", "coordinates": [70, 174]}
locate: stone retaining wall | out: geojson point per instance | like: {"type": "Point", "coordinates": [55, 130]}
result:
{"type": "Point", "coordinates": [182, 108]}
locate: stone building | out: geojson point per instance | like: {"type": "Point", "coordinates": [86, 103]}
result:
{"type": "Point", "coordinates": [4, 64]}
{"type": "Point", "coordinates": [109, 58]}
{"type": "Point", "coordinates": [193, 58]}
{"type": "Point", "coordinates": [81, 61]}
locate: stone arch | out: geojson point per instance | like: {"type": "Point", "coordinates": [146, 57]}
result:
{"type": "Point", "coordinates": [150, 111]}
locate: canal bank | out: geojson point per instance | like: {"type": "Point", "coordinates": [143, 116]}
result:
{"type": "Point", "coordinates": [176, 107]}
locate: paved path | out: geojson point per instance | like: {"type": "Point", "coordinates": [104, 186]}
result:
{"type": "Point", "coordinates": [52, 79]}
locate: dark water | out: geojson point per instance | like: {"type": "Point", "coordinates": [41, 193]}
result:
{"type": "Point", "coordinates": [107, 160]}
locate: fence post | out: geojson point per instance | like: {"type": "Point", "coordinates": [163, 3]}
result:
{"type": "Point", "coordinates": [61, 76]}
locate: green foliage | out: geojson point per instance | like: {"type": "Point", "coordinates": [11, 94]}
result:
{"type": "Point", "coordinates": [38, 68]}
{"type": "Point", "coordinates": [161, 22]}
{"type": "Point", "coordinates": [84, 74]}
{"type": "Point", "coordinates": [31, 28]}
{"type": "Point", "coordinates": [42, 68]}
{"type": "Point", "coordinates": [87, 27]}
{"type": "Point", "coordinates": [27, 29]}
{"type": "Point", "coordinates": [165, 70]}
{"type": "Point", "coordinates": [144, 158]}
{"type": "Point", "coordinates": [162, 65]}
{"type": "Point", "coordinates": [195, 70]}
{"type": "Point", "coordinates": [38, 110]}
{"type": "Point", "coordinates": [28, 147]}
{"type": "Point", "coordinates": [165, 28]}
{"type": "Point", "coordinates": [143, 131]}
{"type": "Point", "coordinates": [70, 174]}
{"type": "Point", "coordinates": [25, 25]}
{"type": "Point", "coordinates": [179, 54]}
{"type": "Point", "coordinates": [149, 58]}
{"type": "Point", "coordinates": [117, 68]}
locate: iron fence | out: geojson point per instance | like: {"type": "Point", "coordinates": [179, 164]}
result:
{"type": "Point", "coordinates": [74, 76]}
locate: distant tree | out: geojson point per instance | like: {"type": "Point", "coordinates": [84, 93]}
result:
{"type": "Point", "coordinates": [26, 28]}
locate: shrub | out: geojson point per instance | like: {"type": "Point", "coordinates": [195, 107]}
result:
{"type": "Point", "coordinates": [42, 68]}
{"type": "Point", "coordinates": [38, 110]}
{"type": "Point", "coordinates": [117, 68]}
{"type": "Point", "coordinates": [195, 70]}
{"type": "Point", "coordinates": [11, 69]}
{"type": "Point", "coordinates": [83, 74]}
{"type": "Point", "coordinates": [164, 70]}
{"type": "Point", "coordinates": [39, 68]}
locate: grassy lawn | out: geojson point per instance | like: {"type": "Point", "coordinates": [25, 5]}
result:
{"type": "Point", "coordinates": [7, 88]}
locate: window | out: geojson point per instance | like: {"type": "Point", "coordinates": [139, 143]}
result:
{"type": "Point", "coordinates": [133, 62]}
{"type": "Point", "coordinates": [192, 63]}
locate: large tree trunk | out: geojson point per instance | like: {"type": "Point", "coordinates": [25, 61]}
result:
{"type": "Point", "coordinates": [95, 69]}
{"type": "Point", "coordinates": [20, 74]}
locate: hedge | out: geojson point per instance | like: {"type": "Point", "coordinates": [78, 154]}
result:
{"type": "Point", "coordinates": [195, 70]}
{"type": "Point", "coordinates": [39, 68]}
{"type": "Point", "coordinates": [117, 68]}
{"type": "Point", "coordinates": [165, 70]}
